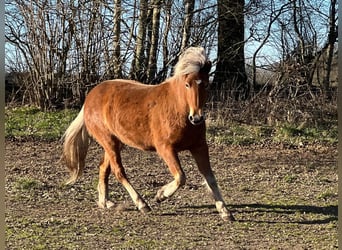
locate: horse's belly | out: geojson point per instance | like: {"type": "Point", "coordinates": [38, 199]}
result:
{"type": "Point", "coordinates": [136, 142]}
{"type": "Point", "coordinates": [134, 134]}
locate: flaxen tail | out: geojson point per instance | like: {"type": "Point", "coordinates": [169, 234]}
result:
{"type": "Point", "coordinates": [75, 147]}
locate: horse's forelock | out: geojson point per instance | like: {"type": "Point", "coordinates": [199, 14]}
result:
{"type": "Point", "coordinates": [192, 60]}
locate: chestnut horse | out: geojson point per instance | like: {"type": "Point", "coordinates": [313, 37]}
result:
{"type": "Point", "coordinates": [166, 118]}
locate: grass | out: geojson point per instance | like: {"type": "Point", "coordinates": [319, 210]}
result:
{"type": "Point", "coordinates": [245, 134]}
{"type": "Point", "coordinates": [44, 234]}
{"type": "Point", "coordinates": [30, 122]}
{"type": "Point", "coordinates": [27, 184]}
{"type": "Point", "coordinates": [324, 195]}
{"type": "Point", "coordinates": [295, 135]}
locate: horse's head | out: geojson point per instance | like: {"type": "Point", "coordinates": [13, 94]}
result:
{"type": "Point", "coordinates": [196, 87]}
{"type": "Point", "coordinates": [193, 67]}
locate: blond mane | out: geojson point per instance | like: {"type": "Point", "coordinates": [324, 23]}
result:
{"type": "Point", "coordinates": [190, 61]}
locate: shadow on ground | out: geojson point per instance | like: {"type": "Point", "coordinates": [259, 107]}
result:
{"type": "Point", "coordinates": [331, 211]}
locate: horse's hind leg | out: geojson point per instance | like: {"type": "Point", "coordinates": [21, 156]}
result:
{"type": "Point", "coordinates": [104, 172]}
{"type": "Point", "coordinates": [113, 154]}
{"type": "Point", "coordinates": [201, 156]}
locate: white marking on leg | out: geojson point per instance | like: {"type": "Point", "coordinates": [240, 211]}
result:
{"type": "Point", "coordinates": [214, 190]}
{"type": "Point", "coordinates": [170, 188]}
{"type": "Point", "coordinates": [102, 196]}
{"type": "Point", "coordinates": [138, 201]}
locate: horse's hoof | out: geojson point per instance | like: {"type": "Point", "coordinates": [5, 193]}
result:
{"type": "Point", "coordinates": [228, 217]}
{"type": "Point", "coordinates": [101, 204]}
{"type": "Point", "coordinates": [159, 197]}
{"type": "Point", "coordinates": [145, 209]}
{"type": "Point", "coordinates": [106, 204]}
{"type": "Point", "coordinates": [109, 204]}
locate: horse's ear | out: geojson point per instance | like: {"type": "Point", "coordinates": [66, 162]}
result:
{"type": "Point", "coordinates": [206, 67]}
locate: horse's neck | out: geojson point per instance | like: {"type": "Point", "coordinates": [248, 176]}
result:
{"type": "Point", "coordinates": [175, 96]}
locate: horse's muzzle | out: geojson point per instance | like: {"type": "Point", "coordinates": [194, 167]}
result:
{"type": "Point", "coordinates": [196, 119]}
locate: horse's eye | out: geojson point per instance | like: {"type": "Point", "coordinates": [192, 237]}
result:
{"type": "Point", "coordinates": [187, 85]}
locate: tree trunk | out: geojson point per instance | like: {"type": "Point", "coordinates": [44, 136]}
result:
{"type": "Point", "coordinates": [230, 76]}
{"type": "Point", "coordinates": [167, 13]}
{"type": "Point", "coordinates": [138, 70]}
{"type": "Point", "coordinates": [332, 37]}
{"type": "Point", "coordinates": [296, 21]}
{"type": "Point", "coordinates": [189, 9]}
{"type": "Point", "coordinates": [152, 58]}
{"type": "Point", "coordinates": [116, 40]}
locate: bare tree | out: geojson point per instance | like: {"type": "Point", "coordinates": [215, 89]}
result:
{"type": "Point", "coordinates": [273, 16]}
{"type": "Point", "coordinates": [29, 26]}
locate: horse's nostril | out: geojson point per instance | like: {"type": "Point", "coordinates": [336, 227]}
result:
{"type": "Point", "coordinates": [196, 119]}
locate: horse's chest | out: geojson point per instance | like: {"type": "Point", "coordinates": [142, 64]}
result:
{"type": "Point", "coordinates": [185, 138]}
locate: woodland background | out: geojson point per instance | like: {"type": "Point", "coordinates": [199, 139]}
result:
{"type": "Point", "coordinates": [274, 60]}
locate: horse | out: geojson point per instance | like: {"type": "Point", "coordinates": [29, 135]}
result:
{"type": "Point", "coordinates": [166, 118]}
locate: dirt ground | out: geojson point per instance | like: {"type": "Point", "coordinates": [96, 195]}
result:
{"type": "Point", "coordinates": [281, 197]}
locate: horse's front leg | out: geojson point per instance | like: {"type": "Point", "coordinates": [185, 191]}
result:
{"type": "Point", "coordinates": [172, 161]}
{"type": "Point", "coordinates": [201, 156]}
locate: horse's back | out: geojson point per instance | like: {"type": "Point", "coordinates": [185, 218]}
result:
{"type": "Point", "coordinates": [118, 92]}
{"type": "Point", "coordinates": [119, 87]}
{"type": "Point", "coordinates": [121, 108]}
